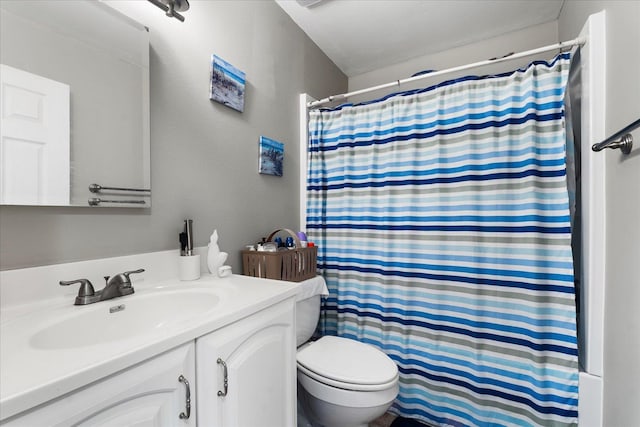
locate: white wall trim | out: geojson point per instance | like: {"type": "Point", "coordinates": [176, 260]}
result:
{"type": "Point", "coordinates": [593, 54]}
{"type": "Point", "coordinates": [593, 191]}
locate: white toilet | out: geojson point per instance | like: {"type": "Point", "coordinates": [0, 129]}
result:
{"type": "Point", "coordinates": [341, 382]}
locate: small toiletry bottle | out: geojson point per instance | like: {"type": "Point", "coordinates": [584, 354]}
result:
{"type": "Point", "coordinates": [303, 238]}
{"type": "Point", "coordinates": [289, 243]}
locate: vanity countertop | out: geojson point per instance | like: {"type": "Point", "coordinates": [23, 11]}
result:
{"type": "Point", "coordinates": [36, 367]}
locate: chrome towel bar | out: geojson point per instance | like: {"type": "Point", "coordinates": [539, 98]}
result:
{"type": "Point", "coordinates": [96, 188]}
{"type": "Point", "coordinates": [621, 139]}
{"type": "Point", "coordinates": [96, 201]}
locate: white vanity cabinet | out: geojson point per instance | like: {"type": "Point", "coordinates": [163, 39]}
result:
{"type": "Point", "coordinates": [255, 357]}
{"type": "Point", "coordinates": [131, 375]}
{"type": "Point", "coordinates": [147, 394]}
{"type": "Point", "coordinates": [255, 354]}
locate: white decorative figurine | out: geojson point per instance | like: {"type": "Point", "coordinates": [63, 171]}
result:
{"type": "Point", "coordinates": [215, 258]}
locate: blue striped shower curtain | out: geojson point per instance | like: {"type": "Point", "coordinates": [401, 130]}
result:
{"type": "Point", "coordinates": [441, 217]}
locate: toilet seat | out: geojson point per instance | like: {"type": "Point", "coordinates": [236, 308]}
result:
{"type": "Point", "coordinates": [347, 364]}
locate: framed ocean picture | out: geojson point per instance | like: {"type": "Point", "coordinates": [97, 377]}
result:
{"type": "Point", "coordinates": [227, 84]}
{"type": "Point", "coordinates": [271, 156]}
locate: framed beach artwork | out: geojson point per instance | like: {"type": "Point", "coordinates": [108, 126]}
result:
{"type": "Point", "coordinates": [271, 156]}
{"type": "Point", "coordinates": [227, 84]}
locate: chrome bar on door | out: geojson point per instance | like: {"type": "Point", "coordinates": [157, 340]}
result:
{"type": "Point", "coordinates": [621, 139]}
{"type": "Point", "coordinates": [95, 201]}
{"type": "Point", "coordinates": [96, 188]}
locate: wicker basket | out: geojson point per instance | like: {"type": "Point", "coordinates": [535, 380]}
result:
{"type": "Point", "coordinates": [294, 265]}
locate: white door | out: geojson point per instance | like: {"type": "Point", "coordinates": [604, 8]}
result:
{"type": "Point", "coordinates": [34, 139]}
{"type": "Point", "coordinates": [258, 355]}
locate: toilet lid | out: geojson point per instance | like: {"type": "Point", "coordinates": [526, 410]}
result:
{"type": "Point", "coordinates": [347, 361]}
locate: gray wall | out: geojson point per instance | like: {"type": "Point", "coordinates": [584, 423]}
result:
{"type": "Point", "coordinates": [204, 156]}
{"type": "Point", "coordinates": [516, 41]}
{"type": "Point", "coordinates": [622, 299]}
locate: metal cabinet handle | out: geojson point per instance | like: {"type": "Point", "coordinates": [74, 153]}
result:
{"type": "Point", "coordinates": [186, 416]}
{"type": "Point", "coordinates": [226, 378]}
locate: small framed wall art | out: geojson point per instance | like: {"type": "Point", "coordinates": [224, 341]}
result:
{"type": "Point", "coordinates": [227, 84]}
{"type": "Point", "coordinates": [271, 158]}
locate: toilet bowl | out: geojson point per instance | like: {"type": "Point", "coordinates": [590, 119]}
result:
{"type": "Point", "coordinates": [344, 382]}
{"type": "Point", "coordinates": [341, 382]}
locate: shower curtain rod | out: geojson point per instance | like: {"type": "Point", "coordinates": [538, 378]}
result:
{"type": "Point", "coordinates": [561, 45]}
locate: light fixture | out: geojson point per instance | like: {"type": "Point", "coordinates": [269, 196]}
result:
{"type": "Point", "coordinates": [172, 7]}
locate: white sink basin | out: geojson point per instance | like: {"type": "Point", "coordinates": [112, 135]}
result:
{"type": "Point", "coordinates": [124, 318]}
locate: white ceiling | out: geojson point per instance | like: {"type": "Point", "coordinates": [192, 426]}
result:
{"type": "Point", "coordinates": [364, 35]}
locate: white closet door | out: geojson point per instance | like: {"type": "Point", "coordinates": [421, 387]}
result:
{"type": "Point", "coordinates": [34, 139]}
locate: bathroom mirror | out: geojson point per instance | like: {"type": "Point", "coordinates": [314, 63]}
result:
{"type": "Point", "coordinates": [93, 62]}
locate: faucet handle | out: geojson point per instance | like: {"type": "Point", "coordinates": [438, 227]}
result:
{"type": "Point", "coordinates": [122, 279]}
{"type": "Point", "coordinates": [127, 273]}
{"type": "Point", "coordinates": [86, 290]}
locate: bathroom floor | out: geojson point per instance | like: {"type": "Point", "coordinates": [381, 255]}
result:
{"type": "Point", "coordinates": [383, 421]}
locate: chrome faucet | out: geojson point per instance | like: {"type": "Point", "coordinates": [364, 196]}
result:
{"type": "Point", "coordinates": [116, 286]}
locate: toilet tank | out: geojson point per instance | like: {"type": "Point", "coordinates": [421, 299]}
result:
{"type": "Point", "coordinates": [308, 303]}
{"type": "Point", "coordinates": [307, 316]}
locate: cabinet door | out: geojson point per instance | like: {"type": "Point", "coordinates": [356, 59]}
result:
{"type": "Point", "coordinates": [148, 394]}
{"type": "Point", "coordinates": [258, 354]}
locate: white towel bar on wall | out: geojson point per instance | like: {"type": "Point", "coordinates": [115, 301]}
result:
{"type": "Point", "coordinates": [621, 139]}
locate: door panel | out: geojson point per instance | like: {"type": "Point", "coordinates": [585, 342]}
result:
{"type": "Point", "coordinates": [34, 139]}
